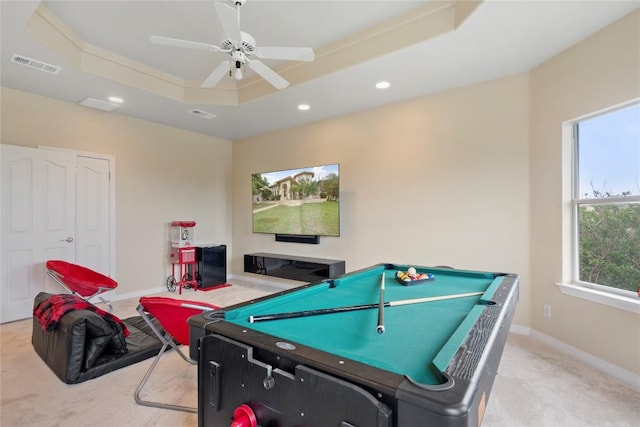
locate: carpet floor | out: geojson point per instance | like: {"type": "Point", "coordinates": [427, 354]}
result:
{"type": "Point", "coordinates": [535, 386]}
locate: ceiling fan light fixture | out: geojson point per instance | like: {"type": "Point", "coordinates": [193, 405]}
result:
{"type": "Point", "coordinates": [241, 47]}
{"type": "Point", "coordinates": [238, 73]}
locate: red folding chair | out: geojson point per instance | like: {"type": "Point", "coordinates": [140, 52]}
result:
{"type": "Point", "coordinates": [80, 281]}
{"type": "Point", "coordinates": [172, 314]}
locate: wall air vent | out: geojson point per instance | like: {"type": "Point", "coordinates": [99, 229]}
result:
{"type": "Point", "coordinates": [202, 114]}
{"type": "Point", "coordinates": [38, 65]}
{"type": "Point", "coordinates": [99, 104]}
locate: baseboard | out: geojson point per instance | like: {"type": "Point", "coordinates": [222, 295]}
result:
{"type": "Point", "coordinates": [628, 378]}
{"type": "Point", "coordinates": [136, 294]}
{"type": "Point", "coordinates": [520, 330]}
{"type": "Point", "coordinates": [274, 282]}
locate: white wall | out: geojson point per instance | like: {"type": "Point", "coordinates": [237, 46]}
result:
{"type": "Point", "coordinates": [162, 174]}
{"type": "Point", "coordinates": [441, 179]}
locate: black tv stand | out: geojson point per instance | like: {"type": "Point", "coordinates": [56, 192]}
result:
{"type": "Point", "coordinates": [304, 269]}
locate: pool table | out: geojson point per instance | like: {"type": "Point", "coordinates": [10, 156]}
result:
{"type": "Point", "coordinates": [434, 364]}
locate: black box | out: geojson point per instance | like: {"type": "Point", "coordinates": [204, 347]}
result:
{"type": "Point", "coordinates": [211, 265]}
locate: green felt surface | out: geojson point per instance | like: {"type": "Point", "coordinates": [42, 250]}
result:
{"type": "Point", "coordinates": [415, 334]}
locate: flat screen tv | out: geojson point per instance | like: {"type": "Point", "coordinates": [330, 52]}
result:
{"type": "Point", "coordinates": [301, 202]}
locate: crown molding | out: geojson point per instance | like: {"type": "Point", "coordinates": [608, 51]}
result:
{"type": "Point", "coordinates": [415, 26]}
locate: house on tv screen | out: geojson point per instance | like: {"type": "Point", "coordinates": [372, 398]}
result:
{"type": "Point", "coordinates": [294, 187]}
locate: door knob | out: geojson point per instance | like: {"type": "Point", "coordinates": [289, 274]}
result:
{"type": "Point", "coordinates": [68, 239]}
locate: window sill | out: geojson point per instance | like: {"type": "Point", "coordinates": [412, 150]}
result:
{"type": "Point", "coordinates": [600, 297]}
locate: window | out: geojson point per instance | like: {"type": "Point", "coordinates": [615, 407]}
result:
{"type": "Point", "coordinates": [606, 201]}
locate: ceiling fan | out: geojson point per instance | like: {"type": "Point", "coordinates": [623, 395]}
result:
{"type": "Point", "coordinates": [241, 47]}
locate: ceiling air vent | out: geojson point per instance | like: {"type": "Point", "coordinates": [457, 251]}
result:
{"type": "Point", "coordinates": [99, 104]}
{"type": "Point", "coordinates": [38, 65]}
{"type": "Point", "coordinates": [202, 114]}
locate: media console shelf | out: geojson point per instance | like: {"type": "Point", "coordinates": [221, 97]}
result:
{"type": "Point", "coordinates": [304, 269]}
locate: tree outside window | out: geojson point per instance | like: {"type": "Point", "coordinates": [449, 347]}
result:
{"type": "Point", "coordinates": [607, 200]}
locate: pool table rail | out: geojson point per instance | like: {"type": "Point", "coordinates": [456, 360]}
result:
{"type": "Point", "coordinates": [471, 371]}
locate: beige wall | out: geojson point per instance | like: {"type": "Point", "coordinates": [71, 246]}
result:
{"type": "Point", "coordinates": [441, 179]}
{"type": "Point", "coordinates": [162, 174]}
{"type": "Point", "coordinates": [602, 71]}
{"type": "Point", "coordinates": [470, 178]}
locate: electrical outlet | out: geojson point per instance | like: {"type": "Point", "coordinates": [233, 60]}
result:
{"type": "Point", "coordinates": [547, 310]}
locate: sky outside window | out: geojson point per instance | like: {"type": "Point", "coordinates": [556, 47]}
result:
{"type": "Point", "coordinates": [609, 153]}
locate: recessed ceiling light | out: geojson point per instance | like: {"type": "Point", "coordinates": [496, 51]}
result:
{"type": "Point", "coordinates": [116, 99]}
{"type": "Point", "coordinates": [383, 85]}
{"type": "Point", "coordinates": [303, 107]}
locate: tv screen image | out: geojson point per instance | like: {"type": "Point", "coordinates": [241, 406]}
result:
{"type": "Point", "coordinates": [303, 201]}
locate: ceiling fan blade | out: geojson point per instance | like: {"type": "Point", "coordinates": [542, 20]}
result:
{"type": "Point", "coordinates": [217, 74]}
{"type": "Point", "coordinates": [268, 74]}
{"type": "Point", "coordinates": [168, 41]}
{"type": "Point", "coordinates": [286, 53]}
{"type": "Point", "coordinates": [228, 18]}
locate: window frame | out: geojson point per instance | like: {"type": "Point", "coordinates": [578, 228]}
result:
{"type": "Point", "coordinates": [572, 285]}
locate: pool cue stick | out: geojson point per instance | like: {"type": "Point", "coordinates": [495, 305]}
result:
{"type": "Point", "coordinates": [308, 313]}
{"type": "Point", "coordinates": [380, 328]}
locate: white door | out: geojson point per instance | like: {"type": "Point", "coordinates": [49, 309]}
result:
{"type": "Point", "coordinates": [38, 223]}
{"type": "Point", "coordinates": [55, 205]}
{"type": "Point", "coordinates": [92, 219]}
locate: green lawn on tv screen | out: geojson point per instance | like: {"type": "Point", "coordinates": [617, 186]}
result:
{"type": "Point", "coordinates": [321, 219]}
